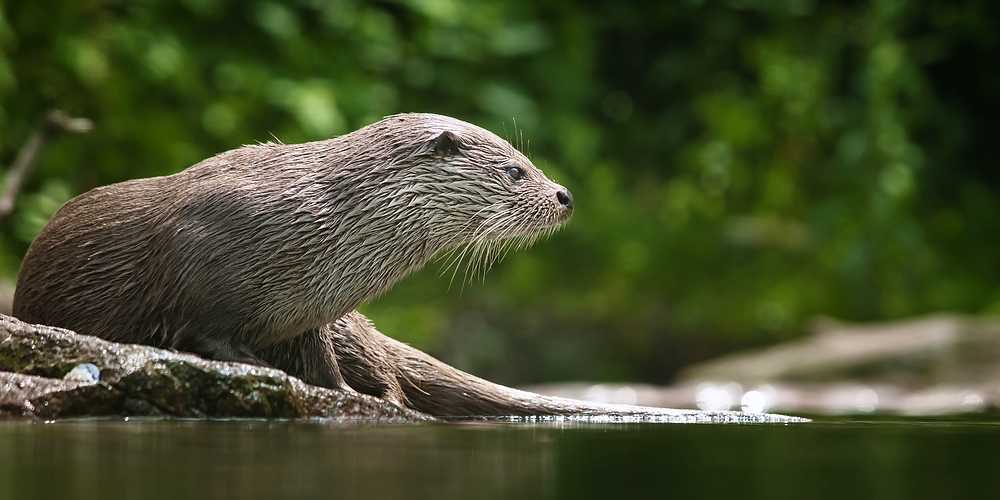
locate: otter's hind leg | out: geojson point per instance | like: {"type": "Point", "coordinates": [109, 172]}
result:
{"type": "Point", "coordinates": [428, 385]}
{"type": "Point", "coordinates": [364, 362]}
{"type": "Point", "coordinates": [310, 357]}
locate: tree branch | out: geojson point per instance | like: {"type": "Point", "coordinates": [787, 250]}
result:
{"type": "Point", "coordinates": [55, 122]}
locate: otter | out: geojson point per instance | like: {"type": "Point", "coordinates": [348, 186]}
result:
{"type": "Point", "coordinates": [253, 255]}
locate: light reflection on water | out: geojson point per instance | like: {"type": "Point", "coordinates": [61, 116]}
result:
{"type": "Point", "coordinates": [546, 459]}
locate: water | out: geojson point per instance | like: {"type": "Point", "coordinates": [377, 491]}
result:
{"type": "Point", "coordinates": [150, 459]}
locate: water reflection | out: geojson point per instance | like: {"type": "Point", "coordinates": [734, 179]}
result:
{"type": "Point", "coordinates": [759, 400]}
{"type": "Point", "coordinates": [601, 393]}
{"type": "Point", "coordinates": [841, 398]}
{"type": "Point", "coordinates": [866, 401]}
{"type": "Point", "coordinates": [971, 401]}
{"type": "Point", "coordinates": [179, 459]}
{"type": "Point", "coordinates": [139, 459]}
{"type": "Point", "coordinates": [713, 398]}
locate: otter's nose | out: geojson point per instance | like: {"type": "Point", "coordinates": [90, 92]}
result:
{"type": "Point", "coordinates": [565, 198]}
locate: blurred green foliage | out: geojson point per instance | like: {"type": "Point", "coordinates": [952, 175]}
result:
{"type": "Point", "coordinates": [739, 166]}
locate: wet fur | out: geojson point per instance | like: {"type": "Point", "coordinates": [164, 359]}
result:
{"type": "Point", "coordinates": [254, 254]}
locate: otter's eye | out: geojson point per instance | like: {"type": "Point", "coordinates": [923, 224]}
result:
{"type": "Point", "coordinates": [515, 173]}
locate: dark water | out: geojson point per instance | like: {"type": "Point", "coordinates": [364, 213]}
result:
{"type": "Point", "coordinates": [181, 459]}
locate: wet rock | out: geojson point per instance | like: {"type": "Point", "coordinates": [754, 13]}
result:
{"type": "Point", "coordinates": [145, 381]}
{"type": "Point", "coordinates": [19, 394]}
{"type": "Point", "coordinates": [135, 380]}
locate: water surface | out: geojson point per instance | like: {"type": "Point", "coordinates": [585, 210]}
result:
{"type": "Point", "coordinates": [150, 459]}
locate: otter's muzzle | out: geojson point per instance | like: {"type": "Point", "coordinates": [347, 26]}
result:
{"type": "Point", "coordinates": [565, 198]}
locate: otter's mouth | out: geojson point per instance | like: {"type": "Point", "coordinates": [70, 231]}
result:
{"type": "Point", "coordinates": [509, 226]}
{"type": "Point", "coordinates": [477, 257]}
{"type": "Point", "coordinates": [495, 238]}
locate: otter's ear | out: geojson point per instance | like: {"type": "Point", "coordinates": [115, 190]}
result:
{"type": "Point", "coordinates": [446, 144]}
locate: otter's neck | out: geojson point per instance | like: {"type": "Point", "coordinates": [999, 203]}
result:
{"type": "Point", "coordinates": [387, 227]}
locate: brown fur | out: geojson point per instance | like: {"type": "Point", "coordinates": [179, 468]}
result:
{"type": "Point", "coordinates": [379, 365]}
{"type": "Point", "coordinates": [253, 254]}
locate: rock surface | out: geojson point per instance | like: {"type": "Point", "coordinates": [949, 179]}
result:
{"type": "Point", "coordinates": [145, 381]}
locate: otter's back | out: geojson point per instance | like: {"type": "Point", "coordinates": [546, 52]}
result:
{"type": "Point", "coordinates": [80, 272]}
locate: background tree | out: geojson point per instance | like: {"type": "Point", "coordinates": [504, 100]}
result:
{"type": "Point", "coordinates": [739, 166]}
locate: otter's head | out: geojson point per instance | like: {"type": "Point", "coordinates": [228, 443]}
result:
{"type": "Point", "coordinates": [453, 183]}
{"type": "Point", "coordinates": [494, 191]}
